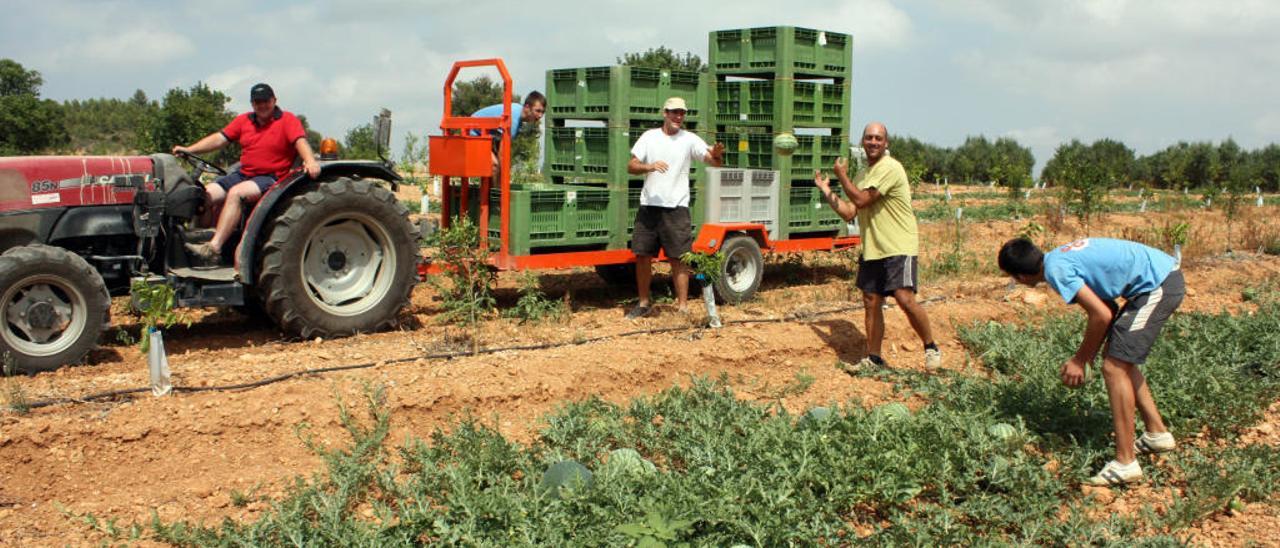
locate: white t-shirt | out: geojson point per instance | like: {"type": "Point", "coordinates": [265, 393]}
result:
{"type": "Point", "coordinates": [670, 189]}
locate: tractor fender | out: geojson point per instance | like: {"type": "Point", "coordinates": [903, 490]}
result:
{"type": "Point", "coordinates": [98, 222]}
{"type": "Point", "coordinates": [294, 183]}
{"type": "Point", "coordinates": [27, 227]}
{"type": "Point", "coordinates": [712, 235]}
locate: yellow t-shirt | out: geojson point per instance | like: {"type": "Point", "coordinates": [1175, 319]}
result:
{"type": "Point", "coordinates": [889, 224]}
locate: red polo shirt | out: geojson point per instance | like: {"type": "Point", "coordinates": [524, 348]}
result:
{"type": "Point", "coordinates": [266, 146]}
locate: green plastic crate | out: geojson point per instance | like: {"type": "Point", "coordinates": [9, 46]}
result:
{"type": "Point", "coordinates": [808, 212]}
{"type": "Point", "coordinates": [755, 151]}
{"type": "Point", "coordinates": [621, 92]}
{"type": "Point", "coordinates": [597, 155]}
{"type": "Point", "coordinates": [781, 104]}
{"type": "Point", "coordinates": [549, 217]}
{"type": "Point", "coordinates": [784, 52]}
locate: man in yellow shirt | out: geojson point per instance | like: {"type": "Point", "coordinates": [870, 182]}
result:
{"type": "Point", "coordinates": [880, 196]}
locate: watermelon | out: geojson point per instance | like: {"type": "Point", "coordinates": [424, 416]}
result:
{"type": "Point", "coordinates": [785, 143]}
{"type": "Point", "coordinates": [1002, 431]}
{"type": "Point", "coordinates": [814, 417]}
{"type": "Point", "coordinates": [892, 411]}
{"type": "Point", "coordinates": [627, 461]}
{"type": "Point", "coordinates": [565, 474]}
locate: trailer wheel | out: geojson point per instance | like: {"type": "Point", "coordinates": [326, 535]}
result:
{"type": "Point", "coordinates": [54, 306]}
{"type": "Point", "coordinates": [340, 260]}
{"type": "Point", "coordinates": [743, 269]}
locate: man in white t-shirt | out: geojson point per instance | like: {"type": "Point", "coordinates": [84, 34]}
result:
{"type": "Point", "coordinates": [663, 155]}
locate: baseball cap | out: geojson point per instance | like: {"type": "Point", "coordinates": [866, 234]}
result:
{"type": "Point", "coordinates": [261, 92]}
{"type": "Point", "coordinates": [674, 103]}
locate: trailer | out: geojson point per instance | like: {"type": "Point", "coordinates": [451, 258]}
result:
{"type": "Point", "coordinates": [461, 153]}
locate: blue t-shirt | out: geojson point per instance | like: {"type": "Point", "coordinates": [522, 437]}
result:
{"type": "Point", "coordinates": [495, 111]}
{"type": "Point", "coordinates": [1111, 268]}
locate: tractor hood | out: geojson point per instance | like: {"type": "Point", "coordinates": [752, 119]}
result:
{"type": "Point", "coordinates": [33, 182]}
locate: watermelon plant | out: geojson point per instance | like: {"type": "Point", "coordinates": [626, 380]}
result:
{"type": "Point", "coordinates": [727, 471]}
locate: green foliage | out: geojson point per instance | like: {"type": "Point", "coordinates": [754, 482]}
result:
{"type": "Point", "coordinates": [465, 286]}
{"type": "Point", "coordinates": [956, 260]}
{"type": "Point", "coordinates": [156, 307]}
{"type": "Point", "coordinates": [1004, 161]}
{"type": "Point", "coordinates": [28, 124]}
{"type": "Point", "coordinates": [707, 265]}
{"type": "Point", "coordinates": [730, 471]}
{"type": "Point", "coordinates": [472, 95]}
{"type": "Point", "coordinates": [533, 305]}
{"type": "Point", "coordinates": [414, 158]}
{"type": "Point", "coordinates": [663, 57]}
{"type": "Point", "coordinates": [14, 395]}
{"type": "Point", "coordinates": [186, 116]}
{"type": "Point", "coordinates": [108, 126]}
{"type": "Point", "coordinates": [1087, 173]}
{"type": "Point", "coordinates": [360, 143]}
{"type": "Point", "coordinates": [15, 79]}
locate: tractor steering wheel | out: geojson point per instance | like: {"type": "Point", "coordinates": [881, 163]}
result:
{"type": "Point", "coordinates": [201, 165]}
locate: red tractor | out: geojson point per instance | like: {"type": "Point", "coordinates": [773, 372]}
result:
{"type": "Point", "coordinates": [324, 257]}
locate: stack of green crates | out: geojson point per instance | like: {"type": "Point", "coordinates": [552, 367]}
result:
{"type": "Point", "coordinates": [770, 80]}
{"type": "Point", "coordinates": [594, 117]}
{"type": "Point", "coordinates": [547, 218]}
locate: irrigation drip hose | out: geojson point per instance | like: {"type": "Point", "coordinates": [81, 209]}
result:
{"type": "Point", "coordinates": [801, 317]}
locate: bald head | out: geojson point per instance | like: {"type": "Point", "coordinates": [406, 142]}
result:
{"type": "Point", "coordinates": [875, 139]}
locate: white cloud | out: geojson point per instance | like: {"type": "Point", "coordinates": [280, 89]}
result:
{"type": "Point", "coordinates": [139, 46]}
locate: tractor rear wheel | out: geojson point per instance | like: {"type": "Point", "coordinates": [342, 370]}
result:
{"type": "Point", "coordinates": [340, 260]}
{"type": "Point", "coordinates": [53, 306]}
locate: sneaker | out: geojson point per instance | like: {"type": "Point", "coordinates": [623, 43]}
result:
{"type": "Point", "coordinates": [1115, 473]}
{"type": "Point", "coordinates": [640, 311]}
{"type": "Point", "coordinates": [1150, 443]}
{"type": "Point", "coordinates": [204, 254]}
{"type": "Point", "coordinates": [932, 358]}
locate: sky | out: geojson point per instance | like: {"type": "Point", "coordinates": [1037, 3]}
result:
{"type": "Point", "coordinates": [1149, 73]}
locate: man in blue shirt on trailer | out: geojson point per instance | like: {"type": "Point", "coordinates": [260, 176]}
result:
{"type": "Point", "coordinates": [1092, 273]}
{"type": "Point", "coordinates": [535, 105]}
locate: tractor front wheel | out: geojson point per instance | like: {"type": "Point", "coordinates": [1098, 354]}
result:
{"type": "Point", "coordinates": [340, 260]}
{"type": "Point", "coordinates": [53, 306]}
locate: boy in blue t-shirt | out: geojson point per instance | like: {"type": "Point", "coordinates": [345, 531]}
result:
{"type": "Point", "coordinates": [1093, 272]}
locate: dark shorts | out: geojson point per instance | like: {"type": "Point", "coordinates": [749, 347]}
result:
{"type": "Point", "coordinates": [236, 177]}
{"type": "Point", "coordinates": [669, 227]}
{"type": "Point", "coordinates": [884, 276]}
{"type": "Point", "coordinates": [1133, 332]}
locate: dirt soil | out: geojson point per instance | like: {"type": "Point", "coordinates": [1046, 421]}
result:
{"type": "Point", "coordinates": [183, 456]}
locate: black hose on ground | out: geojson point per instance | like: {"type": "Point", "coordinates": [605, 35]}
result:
{"type": "Point", "coordinates": [793, 317]}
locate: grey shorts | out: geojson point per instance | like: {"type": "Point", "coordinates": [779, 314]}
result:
{"type": "Point", "coordinates": [884, 276]}
{"type": "Point", "coordinates": [668, 227]}
{"type": "Point", "coordinates": [1133, 332]}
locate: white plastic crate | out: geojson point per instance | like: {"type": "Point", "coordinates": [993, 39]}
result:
{"type": "Point", "coordinates": [743, 195]}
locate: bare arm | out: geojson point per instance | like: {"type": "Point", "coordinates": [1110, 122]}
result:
{"type": "Point", "coordinates": [1094, 332]}
{"type": "Point", "coordinates": [636, 167]}
{"type": "Point", "coordinates": [209, 143]}
{"type": "Point", "coordinates": [846, 210]}
{"type": "Point", "coordinates": [309, 162]}
{"type": "Point", "coordinates": [860, 198]}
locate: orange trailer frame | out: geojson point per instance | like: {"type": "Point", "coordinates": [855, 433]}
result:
{"type": "Point", "coordinates": [455, 153]}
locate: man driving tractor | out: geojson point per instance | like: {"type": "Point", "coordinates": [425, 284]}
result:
{"type": "Point", "coordinates": [271, 141]}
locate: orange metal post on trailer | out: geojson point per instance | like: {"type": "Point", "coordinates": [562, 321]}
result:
{"type": "Point", "coordinates": [456, 153]}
